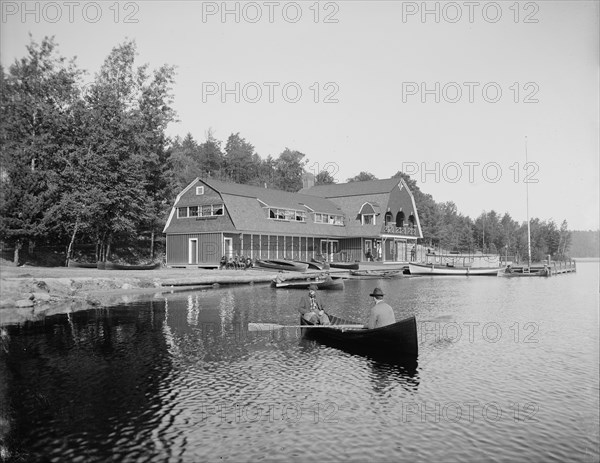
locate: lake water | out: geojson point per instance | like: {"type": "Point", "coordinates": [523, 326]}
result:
{"type": "Point", "coordinates": [507, 371]}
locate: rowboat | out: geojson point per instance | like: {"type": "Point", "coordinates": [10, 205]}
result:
{"type": "Point", "coordinates": [281, 264]}
{"type": "Point", "coordinates": [375, 274]}
{"type": "Point", "coordinates": [114, 266]}
{"type": "Point", "coordinates": [391, 341]}
{"type": "Point", "coordinates": [329, 283]}
{"type": "Point", "coordinates": [525, 272]}
{"type": "Point", "coordinates": [436, 269]}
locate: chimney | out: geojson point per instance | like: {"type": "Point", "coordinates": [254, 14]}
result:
{"type": "Point", "coordinates": [308, 180]}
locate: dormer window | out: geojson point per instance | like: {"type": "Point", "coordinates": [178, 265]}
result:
{"type": "Point", "coordinates": [199, 190]}
{"type": "Point", "coordinates": [368, 214]}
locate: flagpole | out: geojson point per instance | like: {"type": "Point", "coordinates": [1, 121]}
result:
{"type": "Point", "coordinates": [527, 198]}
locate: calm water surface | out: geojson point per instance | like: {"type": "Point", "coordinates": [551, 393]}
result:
{"type": "Point", "coordinates": [507, 371]}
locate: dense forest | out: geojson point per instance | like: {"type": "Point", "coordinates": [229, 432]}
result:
{"type": "Point", "coordinates": [89, 166]}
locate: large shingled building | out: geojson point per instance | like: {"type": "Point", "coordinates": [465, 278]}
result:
{"type": "Point", "coordinates": [337, 222]}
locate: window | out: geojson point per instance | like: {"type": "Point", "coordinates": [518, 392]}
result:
{"type": "Point", "coordinates": [400, 219]}
{"type": "Point", "coordinates": [368, 219]}
{"type": "Point", "coordinates": [329, 219]}
{"type": "Point", "coordinates": [199, 190]}
{"type": "Point", "coordinates": [388, 218]}
{"type": "Point", "coordinates": [208, 210]}
{"type": "Point", "coordinates": [411, 220]}
{"type": "Point", "coordinates": [287, 214]}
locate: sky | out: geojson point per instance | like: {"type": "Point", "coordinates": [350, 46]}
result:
{"type": "Point", "coordinates": [456, 94]}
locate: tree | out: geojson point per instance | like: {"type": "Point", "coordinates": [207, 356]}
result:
{"type": "Point", "coordinates": [362, 177]}
{"type": "Point", "coordinates": [38, 96]}
{"type": "Point", "coordinates": [239, 159]}
{"type": "Point", "coordinates": [126, 114]}
{"type": "Point", "coordinates": [324, 178]}
{"type": "Point", "coordinates": [564, 239]}
{"type": "Point", "coordinates": [289, 167]}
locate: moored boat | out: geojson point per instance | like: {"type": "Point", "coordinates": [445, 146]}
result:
{"type": "Point", "coordinates": [328, 283]}
{"type": "Point", "coordinates": [281, 264]}
{"type": "Point", "coordinates": [436, 269]}
{"type": "Point", "coordinates": [525, 272]}
{"type": "Point", "coordinates": [375, 274]}
{"type": "Point", "coordinates": [392, 341]}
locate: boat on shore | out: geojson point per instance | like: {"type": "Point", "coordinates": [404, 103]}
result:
{"type": "Point", "coordinates": [114, 266]}
{"type": "Point", "coordinates": [340, 265]}
{"type": "Point", "coordinates": [73, 264]}
{"type": "Point", "coordinates": [281, 264]}
{"type": "Point", "coordinates": [327, 283]}
{"type": "Point", "coordinates": [392, 341]}
{"type": "Point", "coordinates": [448, 269]}
{"type": "Point", "coordinates": [314, 265]}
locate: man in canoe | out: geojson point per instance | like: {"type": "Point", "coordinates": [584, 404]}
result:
{"type": "Point", "coordinates": [381, 313]}
{"type": "Point", "coordinates": [311, 307]}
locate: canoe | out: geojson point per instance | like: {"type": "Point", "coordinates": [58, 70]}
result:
{"type": "Point", "coordinates": [344, 265]}
{"type": "Point", "coordinates": [281, 264]}
{"type": "Point", "coordinates": [434, 269]}
{"type": "Point", "coordinates": [73, 264]}
{"type": "Point", "coordinates": [114, 266]}
{"type": "Point", "coordinates": [393, 341]}
{"type": "Point", "coordinates": [333, 283]}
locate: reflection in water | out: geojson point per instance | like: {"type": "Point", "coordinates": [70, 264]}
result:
{"type": "Point", "coordinates": [179, 378]}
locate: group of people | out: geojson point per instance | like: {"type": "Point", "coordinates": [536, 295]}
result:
{"type": "Point", "coordinates": [235, 262]}
{"type": "Point", "coordinates": [312, 309]}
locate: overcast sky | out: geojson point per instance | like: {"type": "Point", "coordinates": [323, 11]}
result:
{"type": "Point", "coordinates": [448, 94]}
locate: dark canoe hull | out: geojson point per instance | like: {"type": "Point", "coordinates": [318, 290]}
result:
{"type": "Point", "coordinates": [344, 265]}
{"type": "Point", "coordinates": [73, 264]}
{"type": "Point", "coordinates": [281, 264]}
{"type": "Point", "coordinates": [393, 341]}
{"type": "Point", "coordinates": [113, 266]}
{"type": "Point", "coordinates": [334, 283]}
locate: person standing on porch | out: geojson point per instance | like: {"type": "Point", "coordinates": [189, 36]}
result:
{"type": "Point", "coordinates": [381, 314]}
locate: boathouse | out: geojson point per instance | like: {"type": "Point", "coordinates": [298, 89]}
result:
{"type": "Point", "coordinates": [346, 222]}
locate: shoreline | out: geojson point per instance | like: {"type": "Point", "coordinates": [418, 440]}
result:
{"type": "Point", "coordinates": [32, 293]}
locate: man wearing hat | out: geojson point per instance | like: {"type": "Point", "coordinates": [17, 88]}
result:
{"type": "Point", "coordinates": [311, 307]}
{"type": "Point", "coordinates": [381, 313]}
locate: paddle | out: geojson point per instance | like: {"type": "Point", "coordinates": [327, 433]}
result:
{"type": "Point", "coordinates": [274, 326]}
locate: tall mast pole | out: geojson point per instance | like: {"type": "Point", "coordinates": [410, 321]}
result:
{"type": "Point", "coordinates": [527, 198]}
